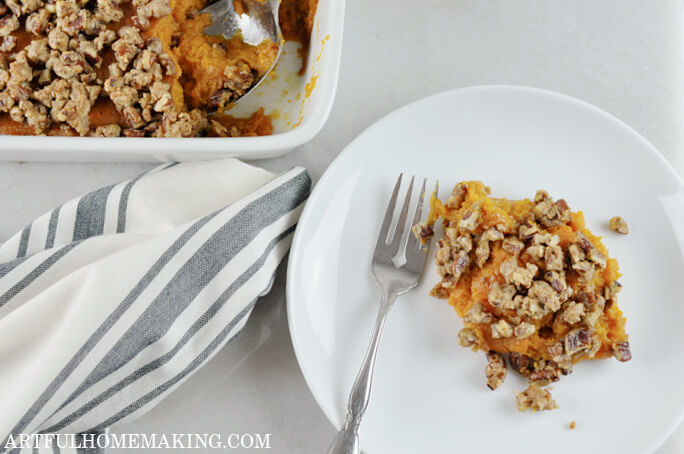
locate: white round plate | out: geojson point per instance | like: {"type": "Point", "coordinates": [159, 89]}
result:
{"type": "Point", "coordinates": [429, 394]}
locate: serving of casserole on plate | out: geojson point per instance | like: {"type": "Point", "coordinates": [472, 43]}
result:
{"type": "Point", "coordinates": [128, 71]}
{"type": "Point", "coordinates": [535, 245]}
{"type": "Point", "coordinates": [533, 285]}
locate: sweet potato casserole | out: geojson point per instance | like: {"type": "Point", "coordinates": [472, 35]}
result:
{"type": "Point", "coordinates": [533, 285]}
{"type": "Point", "coordinates": [129, 67]}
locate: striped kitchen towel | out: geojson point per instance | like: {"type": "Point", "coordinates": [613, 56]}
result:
{"type": "Point", "coordinates": [111, 300]}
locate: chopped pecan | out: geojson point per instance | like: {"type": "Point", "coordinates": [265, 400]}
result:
{"type": "Point", "coordinates": [70, 104]}
{"type": "Point", "coordinates": [457, 196]}
{"type": "Point", "coordinates": [8, 24]}
{"type": "Point", "coordinates": [470, 220]}
{"type": "Point", "coordinates": [575, 253]}
{"type": "Point", "coordinates": [133, 133]}
{"type": "Point", "coordinates": [438, 291]}
{"type": "Point", "coordinates": [481, 253]}
{"type": "Point", "coordinates": [460, 264]}
{"type": "Point", "coordinates": [585, 269]}
{"type": "Point", "coordinates": [573, 312]}
{"type": "Point", "coordinates": [529, 307]}
{"type": "Point", "coordinates": [482, 250]}
{"type": "Point", "coordinates": [29, 6]}
{"type": "Point", "coordinates": [611, 290]}
{"type": "Point", "coordinates": [444, 254]}
{"type": "Point", "coordinates": [105, 37]}
{"type": "Point", "coordinates": [559, 284]}
{"type": "Point", "coordinates": [524, 330]}
{"type": "Point", "coordinates": [545, 372]}
{"type": "Point", "coordinates": [535, 398]}
{"type": "Point", "coordinates": [527, 230]}
{"type": "Point", "coordinates": [6, 101]}
{"type": "Point", "coordinates": [216, 129]}
{"type": "Point", "coordinates": [67, 65]}
{"type": "Point", "coordinates": [168, 64]}
{"type": "Point", "coordinates": [422, 230]}
{"type": "Point", "coordinates": [20, 70]}
{"type": "Point", "coordinates": [546, 239]}
{"type": "Point", "coordinates": [556, 350]}
{"type": "Point", "coordinates": [517, 275]}
{"type": "Point", "coordinates": [619, 225]}
{"type": "Point", "coordinates": [37, 51]}
{"type": "Point", "coordinates": [545, 294]}
{"type": "Point", "coordinates": [128, 45]}
{"type": "Point", "coordinates": [8, 43]}
{"type": "Point", "coordinates": [536, 251]}
{"type": "Point", "coordinates": [492, 234]}
{"type": "Point", "coordinates": [583, 242]}
{"type": "Point", "coordinates": [151, 9]}
{"type": "Point", "coordinates": [38, 22]}
{"type": "Point", "coordinates": [468, 338]}
{"type": "Point", "coordinates": [495, 371]}
{"type": "Point", "coordinates": [111, 130]}
{"type": "Point", "coordinates": [522, 364]}
{"type": "Point", "coordinates": [577, 341]}
{"type": "Point", "coordinates": [463, 242]}
{"type": "Point", "coordinates": [596, 306]}
{"type": "Point", "coordinates": [14, 6]}
{"type": "Point", "coordinates": [501, 296]}
{"type": "Point", "coordinates": [563, 210]}
{"type": "Point", "coordinates": [622, 352]}
{"type": "Point", "coordinates": [501, 329]}
{"type": "Point", "coordinates": [548, 213]}
{"type": "Point", "coordinates": [58, 40]}
{"type": "Point", "coordinates": [512, 245]}
{"type": "Point", "coordinates": [89, 50]}
{"type": "Point", "coordinates": [541, 195]}
{"type": "Point", "coordinates": [183, 124]}
{"type": "Point", "coordinates": [132, 117]}
{"type": "Point", "coordinates": [35, 115]}
{"type": "Point", "coordinates": [554, 258]}
{"type": "Point", "coordinates": [221, 99]}
{"type": "Point", "coordinates": [108, 11]}
{"type": "Point", "coordinates": [598, 258]}
{"type": "Point", "coordinates": [591, 252]}
{"type": "Point", "coordinates": [476, 314]}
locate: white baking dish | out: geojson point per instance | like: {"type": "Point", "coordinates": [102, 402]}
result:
{"type": "Point", "coordinates": [299, 106]}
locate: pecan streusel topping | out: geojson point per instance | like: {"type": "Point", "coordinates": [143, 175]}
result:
{"type": "Point", "coordinates": [531, 283]}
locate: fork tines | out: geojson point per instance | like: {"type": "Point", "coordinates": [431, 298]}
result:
{"type": "Point", "coordinates": [386, 247]}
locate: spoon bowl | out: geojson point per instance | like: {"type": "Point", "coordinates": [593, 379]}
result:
{"type": "Point", "coordinates": [254, 21]}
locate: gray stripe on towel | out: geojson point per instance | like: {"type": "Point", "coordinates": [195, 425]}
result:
{"type": "Point", "coordinates": [90, 214]}
{"type": "Point", "coordinates": [23, 242]}
{"type": "Point", "coordinates": [52, 228]}
{"type": "Point", "coordinates": [126, 193]}
{"type": "Point", "coordinates": [36, 272]}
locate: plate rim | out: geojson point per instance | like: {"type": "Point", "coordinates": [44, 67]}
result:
{"type": "Point", "coordinates": [295, 248]}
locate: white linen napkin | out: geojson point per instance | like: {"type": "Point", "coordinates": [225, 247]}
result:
{"type": "Point", "coordinates": [112, 300]}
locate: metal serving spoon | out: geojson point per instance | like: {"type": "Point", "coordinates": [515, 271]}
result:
{"type": "Point", "coordinates": [258, 23]}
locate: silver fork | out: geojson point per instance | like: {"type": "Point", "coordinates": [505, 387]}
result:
{"type": "Point", "coordinates": [393, 281]}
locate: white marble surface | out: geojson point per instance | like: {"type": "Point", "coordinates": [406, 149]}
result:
{"type": "Point", "coordinates": [625, 56]}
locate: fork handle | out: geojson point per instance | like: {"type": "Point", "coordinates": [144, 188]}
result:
{"type": "Point", "coordinates": [347, 439]}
